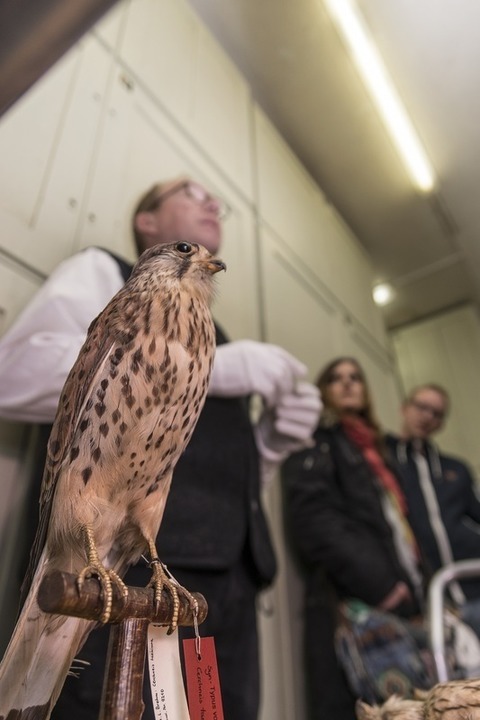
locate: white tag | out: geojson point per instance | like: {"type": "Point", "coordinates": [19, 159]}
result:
{"type": "Point", "coordinates": [166, 681]}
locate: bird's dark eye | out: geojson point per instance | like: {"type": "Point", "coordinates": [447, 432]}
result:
{"type": "Point", "coordinates": [184, 247]}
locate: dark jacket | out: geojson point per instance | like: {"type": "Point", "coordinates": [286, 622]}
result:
{"type": "Point", "coordinates": [459, 506]}
{"type": "Point", "coordinates": [214, 510]}
{"type": "Point", "coordinates": [336, 520]}
{"type": "Point", "coordinates": [336, 525]}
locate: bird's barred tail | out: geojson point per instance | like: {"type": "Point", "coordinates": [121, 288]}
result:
{"type": "Point", "coordinates": [37, 658]}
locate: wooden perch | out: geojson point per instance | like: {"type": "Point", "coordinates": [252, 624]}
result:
{"type": "Point", "coordinates": [130, 617]}
{"type": "Point", "coordinates": [58, 594]}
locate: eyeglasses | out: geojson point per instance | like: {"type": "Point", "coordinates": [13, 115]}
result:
{"type": "Point", "coordinates": [352, 377]}
{"type": "Point", "coordinates": [425, 408]}
{"type": "Point", "coordinates": [199, 195]}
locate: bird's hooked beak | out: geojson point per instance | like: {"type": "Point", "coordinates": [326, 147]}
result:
{"type": "Point", "coordinates": [215, 265]}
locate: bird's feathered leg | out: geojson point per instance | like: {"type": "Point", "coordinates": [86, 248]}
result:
{"type": "Point", "coordinates": [38, 657]}
{"type": "Point", "coordinates": [105, 576]}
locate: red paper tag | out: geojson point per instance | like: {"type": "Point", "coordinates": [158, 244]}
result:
{"type": "Point", "coordinates": [203, 684]}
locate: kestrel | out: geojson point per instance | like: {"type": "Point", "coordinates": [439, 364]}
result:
{"type": "Point", "coordinates": [127, 410]}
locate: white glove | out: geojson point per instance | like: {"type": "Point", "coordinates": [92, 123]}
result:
{"type": "Point", "coordinates": [289, 426]}
{"type": "Point", "coordinates": [245, 367]}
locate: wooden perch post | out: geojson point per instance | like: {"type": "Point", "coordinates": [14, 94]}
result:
{"type": "Point", "coordinates": [130, 618]}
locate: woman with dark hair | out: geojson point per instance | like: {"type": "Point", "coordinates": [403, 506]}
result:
{"type": "Point", "coordinates": [345, 516]}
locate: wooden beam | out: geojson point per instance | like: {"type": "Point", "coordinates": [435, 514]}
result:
{"type": "Point", "coordinates": [34, 34]}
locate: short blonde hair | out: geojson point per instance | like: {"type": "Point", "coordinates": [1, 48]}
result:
{"type": "Point", "coordinates": [429, 386]}
{"type": "Point", "coordinates": [149, 202]}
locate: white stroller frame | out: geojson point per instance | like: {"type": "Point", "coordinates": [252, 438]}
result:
{"type": "Point", "coordinates": [436, 596]}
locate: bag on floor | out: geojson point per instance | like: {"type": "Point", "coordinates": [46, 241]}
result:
{"type": "Point", "coordinates": [382, 654]}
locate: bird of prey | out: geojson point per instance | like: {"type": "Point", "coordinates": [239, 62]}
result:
{"type": "Point", "coordinates": [126, 412]}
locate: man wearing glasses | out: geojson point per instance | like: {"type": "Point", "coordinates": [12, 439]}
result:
{"type": "Point", "coordinates": [443, 507]}
{"type": "Point", "coordinates": [214, 536]}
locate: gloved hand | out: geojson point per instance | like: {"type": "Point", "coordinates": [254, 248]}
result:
{"type": "Point", "coordinates": [288, 426]}
{"type": "Point", "coordinates": [245, 367]}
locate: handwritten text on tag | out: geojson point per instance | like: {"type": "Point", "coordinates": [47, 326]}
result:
{"type": "Point", "coordinates": [166, 682]}
{"type": "Point", "coordinates": [203, 684]}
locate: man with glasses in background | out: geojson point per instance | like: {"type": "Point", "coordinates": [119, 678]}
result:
{"type": "Point", "coordinates": [443, 506]}
{"type": "Point", "coordinates": [214, 536]}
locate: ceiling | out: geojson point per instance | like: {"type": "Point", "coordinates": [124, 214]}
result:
{"type": "Point", "coordinates": [302, 76]}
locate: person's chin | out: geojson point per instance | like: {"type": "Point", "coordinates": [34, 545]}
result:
{"type": "Point", "coordinates": [352, 408]}
{"type": "Point", "coordinates": [210, 240]}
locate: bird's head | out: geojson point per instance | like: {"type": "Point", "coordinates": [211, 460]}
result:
{"type": "Point", "coordinates": [181, 262]}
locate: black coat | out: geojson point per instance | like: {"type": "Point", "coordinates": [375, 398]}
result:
{"type": "Point", "coordinates": [213, 512]}
{"type": "Point", "coordinates": [336, 520]}
{"type": "Point", "coordinates": [459, 506]}
{"type": "Point", "coordinates": [336, 525]}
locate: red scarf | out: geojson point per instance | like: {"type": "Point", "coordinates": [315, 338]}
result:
{"type": "Point", "coordinates": [363, 437]}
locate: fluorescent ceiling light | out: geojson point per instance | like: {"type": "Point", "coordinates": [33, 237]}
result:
{"type": "Point", "coordinates": [383, 293]}
{"type": "Point", "coordinates": [378, 82]}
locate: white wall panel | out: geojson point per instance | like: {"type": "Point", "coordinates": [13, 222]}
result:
{"type": "Point", "coordinates": [221, 113]}
{"type": "Point", "coordinates": [181, 64]}
{"type": "Point", "coordinates": [159, 45]}
{"type": "Point", "coordinates": [139, 146]}
{"type": "Point", "coordinates": [281, 626]}
{"type": "Point", "coordinates": [28, 134]}
{"type": "Point", "coordinates": [296, 210]}
{"type": "Point", "coordinates": [46, 144]}
{"type": "Point", "coordinates": [345, 267]}
{"type": "Point", "coordinates": [301, 319]}
{"type": "Point", "coordinates": [288, 199]}
{"type": "Point", "coordinates": [109, 28]}
{"type": "Point", "coordinates": [297, 315]}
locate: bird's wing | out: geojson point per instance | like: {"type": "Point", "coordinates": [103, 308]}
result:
{"type": "Point", "coordinates": [102, 340]}
{"type": "Point", "coordinates": [79, 387]}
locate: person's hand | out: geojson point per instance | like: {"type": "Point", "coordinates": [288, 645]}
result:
{"type": "Point", "coordinates": [246, 367]}
{"type": "Point", "coordinates": [289, 426]}
{"type": "Point", "coordinates": [399, 594]}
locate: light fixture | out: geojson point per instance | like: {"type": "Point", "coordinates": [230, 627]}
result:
{"type": "Point", "coordinates": [383, 293]}
{"type": "Point", "coordinates": [382, 90]}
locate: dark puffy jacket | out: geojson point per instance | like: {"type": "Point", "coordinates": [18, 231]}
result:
{"type": "Point", "coordinates": [336, 521]}
{"type": "Point", "coordinates": [458, 503]}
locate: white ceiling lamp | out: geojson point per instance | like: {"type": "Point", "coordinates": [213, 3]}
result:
{"type": "Point", "coordinates": [382, 90]}
{"type": "Point", "coordinates": [383, 293]}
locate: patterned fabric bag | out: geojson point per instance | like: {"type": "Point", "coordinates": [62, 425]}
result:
{"type": "Point", "coordinates": [382, 654]}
